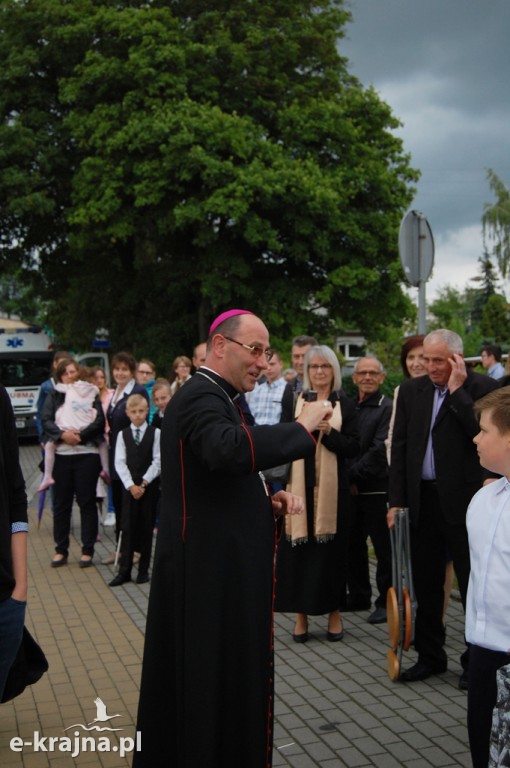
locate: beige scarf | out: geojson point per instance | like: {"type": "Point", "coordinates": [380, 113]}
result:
{"type": "Point", "coordinates": [325, 491]}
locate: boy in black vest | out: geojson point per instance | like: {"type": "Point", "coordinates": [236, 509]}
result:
{"type": "Point", "coordinates": [138, 464]}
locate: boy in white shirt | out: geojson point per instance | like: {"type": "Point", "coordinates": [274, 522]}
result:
{"type": "Point", "coordinates": [138, 464]}
{"type": "Point", "coordinates": [488, 598]}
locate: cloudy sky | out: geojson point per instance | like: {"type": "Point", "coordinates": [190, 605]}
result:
{"type": "Point", "coordinates": [444, 68]}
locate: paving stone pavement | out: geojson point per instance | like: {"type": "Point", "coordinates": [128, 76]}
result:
{"type": "Point", "coordinates": [335, 704]}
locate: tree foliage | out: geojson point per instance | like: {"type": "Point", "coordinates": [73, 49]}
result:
{"type": "Point", "coordinates": [488, 283]}
{"type": "Point", "coordinates": [20, 298]}
{"type": "Point", "coordinates": [455, 309]}
{"type": "Point", "coordinates": [496, 222]}
{"type": "Point", "coordinates": [161, 161]}
{"type": "Point", "coordinates": [494, 324]}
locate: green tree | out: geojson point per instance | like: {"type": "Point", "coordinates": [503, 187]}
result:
{"type": "Point", "coordinates": [163, 161]}
{"type": "Point", "coordinates": [19, 297]}
{"type": "Point", "coordinates": [450, 310]}
{"type": "Point", "coordinates": [495, 320]}
{"type": "Point", "coordinates": [487, 282]}
{"type": "Point", "coordinates": [496, 222]}
{"type": "Point", "coordinates": [454, 309]}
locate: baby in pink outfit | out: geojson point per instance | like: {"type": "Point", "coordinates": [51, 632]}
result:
{"type": "Point", "coordinates": [76, 412]}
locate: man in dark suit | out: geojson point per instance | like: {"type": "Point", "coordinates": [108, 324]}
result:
{"type": "Point", "coordinates": [435, 472]}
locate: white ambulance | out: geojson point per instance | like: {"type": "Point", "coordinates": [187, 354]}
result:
{"type": "Point", "coordinates": [26, 354]}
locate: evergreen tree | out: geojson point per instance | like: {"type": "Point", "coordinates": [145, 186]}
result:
{"type": "Point", "coordinates": [495, 320]}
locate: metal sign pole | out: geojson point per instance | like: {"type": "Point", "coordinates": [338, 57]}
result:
{"type": "Point", "coordinates": [416, 249]}
{"type": "Point", "coordinates": [422, 302]}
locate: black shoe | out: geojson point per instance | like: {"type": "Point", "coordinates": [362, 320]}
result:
{"type": "Point", "coordinates": [142, 578]}
{"type": "Point", "coordinates": [84, 563]}
{"type": "Point", "coordinates": [334, 637]}
{"type": "Point", "coordinates": [301, 638]}
{"type": "Point", "coordinates": [464, 680]}
{"type": "Point", "coordinates": [420, 671]}
{"type": "Point", "coordinates": [119, 579]}
{"type": "Point", "coordinates": [379, 616]}
{"type": "Point", "coordinates": [60, 562]}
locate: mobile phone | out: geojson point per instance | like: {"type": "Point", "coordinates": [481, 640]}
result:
{"type": "Point", "coordinates": [310, 396]}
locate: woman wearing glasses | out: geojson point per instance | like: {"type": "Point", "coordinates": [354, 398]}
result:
{"type": "Point", "coordinates": [312, 554]}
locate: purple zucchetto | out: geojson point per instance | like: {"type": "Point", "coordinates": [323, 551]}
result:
{"type": "Point", "coordinates": [225, 316]}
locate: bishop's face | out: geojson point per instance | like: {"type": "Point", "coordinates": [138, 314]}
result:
{"type": "Point", "coordinates": [242, 367]}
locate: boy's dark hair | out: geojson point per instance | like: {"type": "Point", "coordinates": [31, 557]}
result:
{"type": "Point", "coordinates": [493, 349]}
{"type": "Point", "coordinates": [304, 341]}
{"type": "Point", "coordinates": [498, 402]}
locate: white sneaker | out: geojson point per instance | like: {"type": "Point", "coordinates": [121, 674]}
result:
{"type": "Point", "coordinates": [109, 519]}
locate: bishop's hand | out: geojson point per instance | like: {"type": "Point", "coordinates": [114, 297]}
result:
{"type": "Point", "coordinates": [314, 413]}
{"type": "Point", "coordinates": [285, 503]}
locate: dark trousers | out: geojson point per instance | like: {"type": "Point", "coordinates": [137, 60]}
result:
{"type": "Point", "coordinates": [117, 494]}
{"type": "Point", "coordinates": [137, 526]}
{"type": "Point", "coordinates": [482, 695]}
{"type": "Point", "coordinates": [75, 474]}
{"type": "Point", "coordinates": [368, 518]}
{"type": "Point", "coordinates": [12, 621]}
{"type": "Point", "coordinates": [431, 539]}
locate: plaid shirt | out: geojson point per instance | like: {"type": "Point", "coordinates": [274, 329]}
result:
{"type": "Point", "coordinates": [266, 401]}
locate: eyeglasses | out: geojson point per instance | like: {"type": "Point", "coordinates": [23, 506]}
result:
{"type": "Point", "coordinates": [144, 373]}
{"type": "Point", "coordinates": [255, 351]}
{"type": "Point", "coordinates": [315, 367]}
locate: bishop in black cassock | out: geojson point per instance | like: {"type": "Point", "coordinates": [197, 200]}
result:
{"type": "Point", "coordinates": [206, 696]}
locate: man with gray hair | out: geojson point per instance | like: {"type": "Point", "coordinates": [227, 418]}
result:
{"type": "Point", "coordinates": [368, 477]}
{"type": "Point", "coordinates": [435, 472]}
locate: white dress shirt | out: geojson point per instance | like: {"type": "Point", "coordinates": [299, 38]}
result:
{"type": "Point", "coordinates": [488, 598]}
{"type": "Point", "coordinates": [120, 457]}
{"type": "Point", "coordinates": [265, 401]}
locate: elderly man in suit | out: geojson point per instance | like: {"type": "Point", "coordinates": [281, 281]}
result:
{"type": "Point", "coordinates": [435, 472]}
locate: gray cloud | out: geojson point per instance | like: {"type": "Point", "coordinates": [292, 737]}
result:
{"type": "Point", "coordinates": [443, 66]}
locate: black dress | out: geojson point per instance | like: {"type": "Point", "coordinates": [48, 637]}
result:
{"type": "Point", "coordinates": [311, 577]}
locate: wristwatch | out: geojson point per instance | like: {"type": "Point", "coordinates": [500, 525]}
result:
{"type": "Point", "coordinates": [144, 484]}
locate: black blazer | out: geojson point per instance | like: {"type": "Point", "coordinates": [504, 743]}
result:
{"type": "Point", "coordinates": [458, 471]}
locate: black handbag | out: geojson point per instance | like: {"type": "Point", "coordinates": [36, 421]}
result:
{"type": "Point", "coordinates": [27, 668]}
